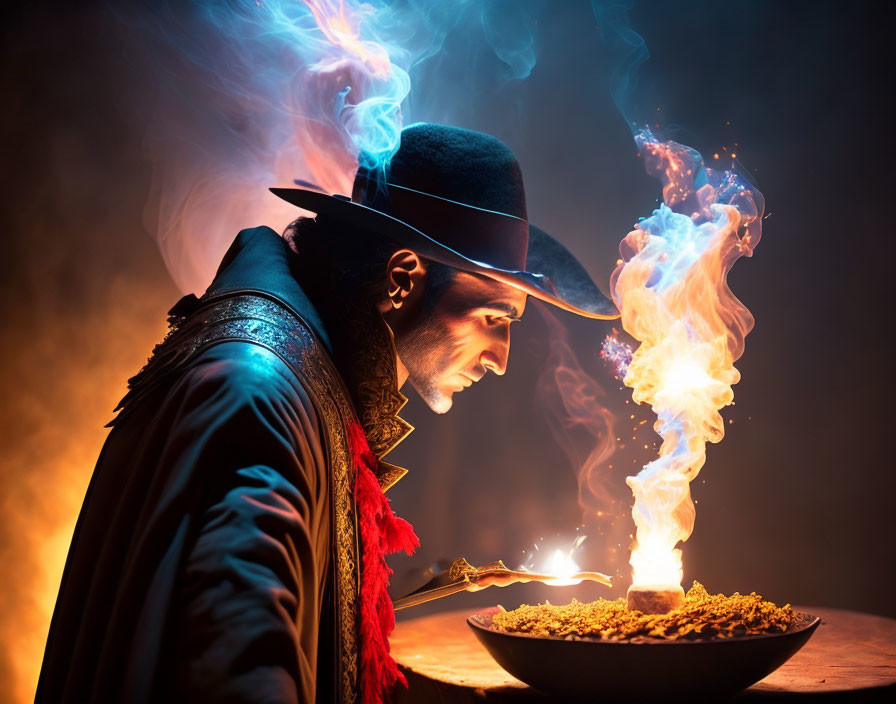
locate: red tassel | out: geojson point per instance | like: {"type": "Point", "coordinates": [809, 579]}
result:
{"type": "Point", "coordinates": [381, 533]}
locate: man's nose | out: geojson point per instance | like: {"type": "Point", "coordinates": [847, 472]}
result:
{"type": "Point", "coordinates": [494, 357]}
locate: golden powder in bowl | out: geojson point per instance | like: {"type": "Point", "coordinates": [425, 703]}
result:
{"type": "Point", "coordinates": [703, 615]}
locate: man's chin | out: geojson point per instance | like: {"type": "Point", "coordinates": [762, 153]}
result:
{"type": "Point", "coordinates": [441, 405]}
{"type": "Point", "coordinates": [439, 401]}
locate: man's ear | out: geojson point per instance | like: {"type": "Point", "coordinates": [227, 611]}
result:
{"type": "Point", "coordinates": [404, 278]}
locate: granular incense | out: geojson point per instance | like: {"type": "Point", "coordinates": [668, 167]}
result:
{"type": "Point", "coordinates": [703, 615]}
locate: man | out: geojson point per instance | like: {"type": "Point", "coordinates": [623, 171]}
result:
{"type": "Point", "coordinates": [231, 544]}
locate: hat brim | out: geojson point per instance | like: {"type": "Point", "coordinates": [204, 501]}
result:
{"type": "Point", "coordinates": [552, 273]}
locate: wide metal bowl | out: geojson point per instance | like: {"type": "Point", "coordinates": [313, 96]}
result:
{"type": "Point", "coordinates": [599, 670]}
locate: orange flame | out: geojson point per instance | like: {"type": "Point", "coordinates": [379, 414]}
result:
{"type": "Point", "coordinates": [563, 567]}
{"type": "Point", "coordinates": [559, 563]}
{"type": "Point", "coordinates": [674, 298]}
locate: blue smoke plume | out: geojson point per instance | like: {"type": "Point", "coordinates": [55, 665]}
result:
{"type": "Point", "coordinates": [628, 49]}
{"type": "Point", "coordinates": [256, 93]}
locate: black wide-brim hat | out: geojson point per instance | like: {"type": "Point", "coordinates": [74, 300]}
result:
{"type": "Point", "coordinates": [456, 196]}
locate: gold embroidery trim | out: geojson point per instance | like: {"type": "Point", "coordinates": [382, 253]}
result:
{"type": "Point", "coordinates": [388, 475]}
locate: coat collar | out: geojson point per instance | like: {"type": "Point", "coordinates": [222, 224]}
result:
{"type": "Point", "coordinates": [259, 260]}
{"type": "Point", "coordinates": [356, 336]}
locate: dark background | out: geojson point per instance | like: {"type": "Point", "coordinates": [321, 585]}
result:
{"type": "Point", "coordinates": [796, 503]}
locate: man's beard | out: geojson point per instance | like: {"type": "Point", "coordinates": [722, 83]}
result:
{"type": "Point", "coordinates": [426, 352]}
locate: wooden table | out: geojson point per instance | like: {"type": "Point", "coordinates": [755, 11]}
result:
{"type": "Point", "coordinates": [851, 657]}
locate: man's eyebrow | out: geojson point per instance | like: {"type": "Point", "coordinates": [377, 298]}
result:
{"type": "Point", "coordinates": [511, 311]}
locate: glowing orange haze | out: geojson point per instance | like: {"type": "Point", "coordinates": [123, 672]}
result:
{"type": "Point", "coordinates": [67, 380]}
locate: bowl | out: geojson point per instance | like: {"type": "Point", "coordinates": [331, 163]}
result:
{"type": "Point", "coordinates": [641, 669]}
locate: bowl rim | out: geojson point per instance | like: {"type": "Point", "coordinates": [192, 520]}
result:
{"type": "Point", "coordinates": [811, 622]}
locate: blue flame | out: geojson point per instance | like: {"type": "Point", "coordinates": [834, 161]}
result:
{"type": "Point", "coordinates": [685, 225]}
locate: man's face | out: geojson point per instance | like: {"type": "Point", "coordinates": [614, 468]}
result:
{"type": "Point", "coordinates": [464, 335]}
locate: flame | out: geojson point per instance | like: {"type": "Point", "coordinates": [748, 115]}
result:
{"type": "Point", "coordinates": [672, 291]}
{"type": "Point", "coordinates": [563, 567]}
{"type": "Point", "coordinates": [560, 563]}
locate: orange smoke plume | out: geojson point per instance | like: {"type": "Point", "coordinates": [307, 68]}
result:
{"type": "Point", "coordinates": [580, 422]}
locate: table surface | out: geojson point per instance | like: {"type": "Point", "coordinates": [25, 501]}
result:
{"type": "Point", "coordinates": [852, 655]}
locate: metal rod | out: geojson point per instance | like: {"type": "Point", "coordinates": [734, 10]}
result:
{"type": "Point", "coordinates": [472, 580]}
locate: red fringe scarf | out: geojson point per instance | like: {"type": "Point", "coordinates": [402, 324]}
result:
{"type": "Point", "coordinates": [381, 533]}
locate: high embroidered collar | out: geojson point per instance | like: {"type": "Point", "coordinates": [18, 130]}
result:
{"type": "Point", "coordinates": [364, 352]}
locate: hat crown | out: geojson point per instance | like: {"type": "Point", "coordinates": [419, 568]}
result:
{"type": "Point", "coordinates": [456, 196]}
{"type": "Point", "coordinates": [462, 165]}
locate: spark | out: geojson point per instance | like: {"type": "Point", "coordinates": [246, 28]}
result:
{"type": "Point", "coordinates": [617, 352]}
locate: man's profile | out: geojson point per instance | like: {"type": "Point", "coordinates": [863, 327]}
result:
{"type": "Point", "coordinates": [231, 544]}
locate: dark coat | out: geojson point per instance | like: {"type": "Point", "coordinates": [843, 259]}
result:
{"type": "Point", "coordinates": [205, 564]}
